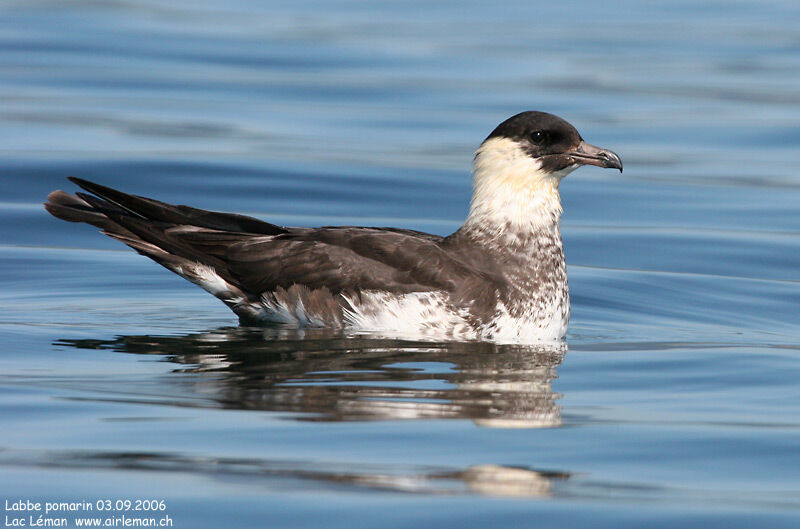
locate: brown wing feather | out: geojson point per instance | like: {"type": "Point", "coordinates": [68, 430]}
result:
{"type": "Point", "coordinates": [257, 257]}
{"type": "Point", "coordinates": [345, 259]}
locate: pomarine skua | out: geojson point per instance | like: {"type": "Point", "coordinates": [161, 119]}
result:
{"type": "Point", "coordinates": [501, 276]}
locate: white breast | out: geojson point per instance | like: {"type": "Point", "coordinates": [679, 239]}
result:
{"type": "Point", "coordinates": [549, 325]}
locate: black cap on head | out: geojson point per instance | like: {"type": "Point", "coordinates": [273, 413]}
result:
{"type": "Point", "coordinates": [553, 141]}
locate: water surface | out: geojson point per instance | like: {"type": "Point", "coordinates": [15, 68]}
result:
{"type": "Point", "coordinates": [674, 401]}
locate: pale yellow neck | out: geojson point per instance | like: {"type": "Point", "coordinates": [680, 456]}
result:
{"type": "Point", "coordinates": [511, 193]}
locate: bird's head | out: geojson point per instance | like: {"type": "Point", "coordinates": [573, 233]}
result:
{"type": "Point", "coordinates": [549, 141]}
{"type": "Point", "coordinates": [519, 166]}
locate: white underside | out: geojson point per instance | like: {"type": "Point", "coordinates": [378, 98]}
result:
{"type": "Point", "coordinates": [426, 315]}
{"type": "Point", "coordinates": [421, 314]}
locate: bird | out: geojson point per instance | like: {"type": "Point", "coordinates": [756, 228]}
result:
{"type": "Point", "coordinates": [500, 277]}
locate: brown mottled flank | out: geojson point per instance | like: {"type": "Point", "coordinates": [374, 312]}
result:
{"type": "Point", "coordinates": [502, 274]}
{"type": "Point", "coordinates": [534, 274]}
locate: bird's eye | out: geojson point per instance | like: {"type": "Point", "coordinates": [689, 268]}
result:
{"type": "Point", "coordinates": [539, 137]}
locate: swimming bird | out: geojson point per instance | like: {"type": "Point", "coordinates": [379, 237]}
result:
{"type": "Point", "coordinates": [501, 276]}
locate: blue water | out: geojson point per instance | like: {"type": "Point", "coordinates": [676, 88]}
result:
{"type": "Point", "coordinates": [675, 402]}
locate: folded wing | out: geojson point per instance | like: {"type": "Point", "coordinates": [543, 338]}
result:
{"type": "Point", "coordinates": [240, 258]}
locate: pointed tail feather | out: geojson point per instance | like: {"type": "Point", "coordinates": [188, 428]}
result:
{"type": "Point", "coordinates": [75, 209]}
{"type": "Point", "coordinates": [148, 208]}
{"type": "Point", "coordinates": [144, 224]}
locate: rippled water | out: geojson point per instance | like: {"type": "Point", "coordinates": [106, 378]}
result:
{"type": "Point", "coordinates": [675, 400]}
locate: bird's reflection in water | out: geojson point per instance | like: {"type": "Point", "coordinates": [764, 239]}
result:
{"type": "Point", "coordinates": [324, 375]}
{"type": "Point", "coordinates": [327, 376]}
{"type": "Point", "coordinates": [485, 480]}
